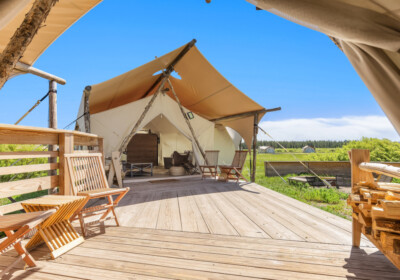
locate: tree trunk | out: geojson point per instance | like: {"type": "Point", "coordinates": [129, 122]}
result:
{"type": "Point", "coordinates": [23, 36]}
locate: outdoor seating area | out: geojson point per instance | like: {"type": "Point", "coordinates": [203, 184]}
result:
{"type": "Point", "coordinates": [157, 173]}
{"type": "Point", "coordinates": [196, 229]}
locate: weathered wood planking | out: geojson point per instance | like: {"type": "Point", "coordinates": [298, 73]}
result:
{"type": "Point", "coordinates": [150, 254]}
{"type": "Point", "coordinates": [28, 185]}
{"type": "Point", "coordinates": [249, 210]}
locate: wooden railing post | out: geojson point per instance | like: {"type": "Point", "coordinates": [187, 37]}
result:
{"type": "Point", "coordinates": [358, 175]}
{"type": "Point", "coordinates": [100, 148]}
{"type": "Point", "coordinates": [66, 144]}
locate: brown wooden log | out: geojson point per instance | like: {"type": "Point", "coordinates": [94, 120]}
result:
{"type": "Point", "coordinates": [23, 36]}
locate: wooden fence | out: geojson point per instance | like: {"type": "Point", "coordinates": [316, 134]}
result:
{"type": "Point", "coordinates": [50, 174]}
{"type": "Point", "coordinates": [327, 168]}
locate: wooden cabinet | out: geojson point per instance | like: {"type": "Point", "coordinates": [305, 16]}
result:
{"type": "Point", "coordinates": [143, 148]}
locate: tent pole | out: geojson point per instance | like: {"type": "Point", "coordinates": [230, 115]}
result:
{"type": "Point", "coordinates": [115, 166]}
{"type": "Point", "coordinates": [171, 66]}
{"type": "Point", "coordinates": [255, 131]}
{"type": "Point", "coordinates": [188, 122]}
{"type": "Point", "coordinates": [146, 109]}
{"type": "Point", "coordinates": [86, 111]}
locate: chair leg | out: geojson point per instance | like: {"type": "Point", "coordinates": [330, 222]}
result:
{"type": "Point", "coordinates": [82, 223]}
{"type": "Point", "coordinates": [25, 255]}
{"type": "Point", "coordinates": [115, 216]}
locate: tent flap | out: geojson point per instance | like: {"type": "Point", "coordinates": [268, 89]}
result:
{"type": "Point", "coordinates": [367, 31]}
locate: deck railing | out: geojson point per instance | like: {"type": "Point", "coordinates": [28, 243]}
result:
{"type": "Point", "coordinates": [32, 160]}
{"type": "Point", "coordinates": [376, 205]}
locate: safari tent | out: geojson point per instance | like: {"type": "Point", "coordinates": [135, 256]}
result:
{"type": "Point", "coordinates": [196, 109]}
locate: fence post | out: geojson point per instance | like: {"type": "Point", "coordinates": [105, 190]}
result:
{"type": "Point", "coordinates": [66, 144]}
{"type": "Point", "coordinates": [100, 148]}
{"type": "Point", "coordinates": [358, 156]}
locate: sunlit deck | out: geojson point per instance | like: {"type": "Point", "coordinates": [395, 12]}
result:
{"type": "Point", "coordinates": [196, 229]}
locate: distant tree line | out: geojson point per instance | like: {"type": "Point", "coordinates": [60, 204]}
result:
{"type": "Point", "coordinates": [301, 144]}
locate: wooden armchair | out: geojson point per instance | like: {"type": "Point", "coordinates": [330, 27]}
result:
{"type": "Point", "coordinates": [88, 179]}
{"type": "Point", "coordinates": [16, 226]}
{"type": "Point", "coordinates": [210, 167]}
{"type": "Point", "coordinates": [234, 171]}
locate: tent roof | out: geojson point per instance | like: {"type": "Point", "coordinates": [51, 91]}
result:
{"type": "Point", "coordinates": [61, 17]}
{"type": "Point", "coordinates": [201, 89]}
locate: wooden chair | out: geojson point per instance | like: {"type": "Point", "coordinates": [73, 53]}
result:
{"type": "Point", "coordinates": [88, 179]}
{"type": "Point", "coordinates": [210, 167]}
{"type": "Point", "coordinates": [16, 227]}
{"type": "Point", "coordinates": [234, 171]}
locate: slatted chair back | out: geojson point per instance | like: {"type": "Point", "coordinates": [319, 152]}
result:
{"type": "Point", "coordinates": [239, 159]}
{"type": "Point", "coordinates": [211, 157]}
{"type": "Point", "coordinates": [86, 172]}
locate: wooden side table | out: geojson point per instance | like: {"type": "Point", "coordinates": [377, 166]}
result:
{"type": "Point", "coordinates": [57, 231]}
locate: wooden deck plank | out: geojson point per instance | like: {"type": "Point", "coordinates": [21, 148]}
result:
{"type": "Point", "coordinates": [195, 266]}
{"type": "Point", "coordinates": [49, 270]}
{"type": "Point", "coordinates": [131, 207]}
{"type": "Point", "coordinates": [362, 261]}
{"type": "Point", "coordinates": [272, 227]}
{"type": "Point", "coordinates": [150, 254]}
{"type": "Point", "coordinates": [192, 219]}
{"type": "Point", "coordinates": [336, 224]}
{"type": "Point", "coordinates": [236, 239]}
{"type": "Point", "coordinates": [241, 222]}
{"type": "Point", "coordinates": [214, 240]}
{"type": "Point", "coordinates": [316, 228]}
{"type": "Point", "coordinates": [149, 215]}
{"type": "Point", "coordinates": [239, 261]}
{"type": "Point", "coordinates": [169, 215]}
{"type": "Point", "coordinates": [215, 220]}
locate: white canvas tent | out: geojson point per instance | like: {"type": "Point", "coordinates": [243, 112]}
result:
{"type": "Point", "coordinates": [114, 108]}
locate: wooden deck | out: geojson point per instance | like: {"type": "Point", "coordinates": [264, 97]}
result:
{"type": "Point", "coordinates": [194, 229]}
{"type": "Point", "coordinates": [208, 206]}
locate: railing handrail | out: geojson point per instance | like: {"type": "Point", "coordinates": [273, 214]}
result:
{"type": "Point", "coordinates": [380, 168]}
{"type": "Point", "coordinates": [48, 178]}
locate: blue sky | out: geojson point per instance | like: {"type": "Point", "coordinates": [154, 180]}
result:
{"type": "Point", "coordinates": [272, 60]}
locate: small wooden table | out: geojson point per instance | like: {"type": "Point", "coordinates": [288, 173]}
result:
{"type": "Point", "coordinates": [57, 231]}
{"type": "Point", "coordinates": [138, 168]}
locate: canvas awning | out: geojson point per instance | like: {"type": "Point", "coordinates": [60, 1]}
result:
{"type": "Point", "coordinates": [200, 88]}
{"type": "Point", "coordinates": [61, 17]}
{"type": "Point", "coordinates": [367, 31]}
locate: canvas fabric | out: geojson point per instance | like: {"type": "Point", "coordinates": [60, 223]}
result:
{"type": "Point", "coordinates": [368, 32]}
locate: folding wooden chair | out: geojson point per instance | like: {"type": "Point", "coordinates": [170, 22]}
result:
{"type": "Point", "coordinates": [16, 227]}
{"type": "Point", "coordinates": [234, 171]}
{"type": "Point", "coordinates": [210, 167]}
{"type": "Point", "coordinates": [88, 179]}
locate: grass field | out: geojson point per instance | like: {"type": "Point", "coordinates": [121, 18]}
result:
{"type": "Point", "coordinates": [330, 200]}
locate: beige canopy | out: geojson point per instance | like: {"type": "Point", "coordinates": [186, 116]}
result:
{"type": "Point", "coordinates": [61, 17]}
{"type": "Point", "coordinates": [200, 88]}
{"type": "Point", "coordinates": [368, 32]}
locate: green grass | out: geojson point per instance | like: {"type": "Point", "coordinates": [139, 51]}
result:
{"type": "Point", "coordinates": [330, 200]}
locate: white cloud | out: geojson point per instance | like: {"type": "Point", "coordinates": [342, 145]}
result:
{"type": "Point", "coordinates": [344, 128]}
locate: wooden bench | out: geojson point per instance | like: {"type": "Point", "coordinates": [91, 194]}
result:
{"type": "Point", "coordinates": [88, 179]}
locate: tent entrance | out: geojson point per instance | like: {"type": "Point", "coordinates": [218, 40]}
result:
{"type": "Point", "coordinates": [171, 139]}
{"type": "Point", "coordinates": [143, 148]}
